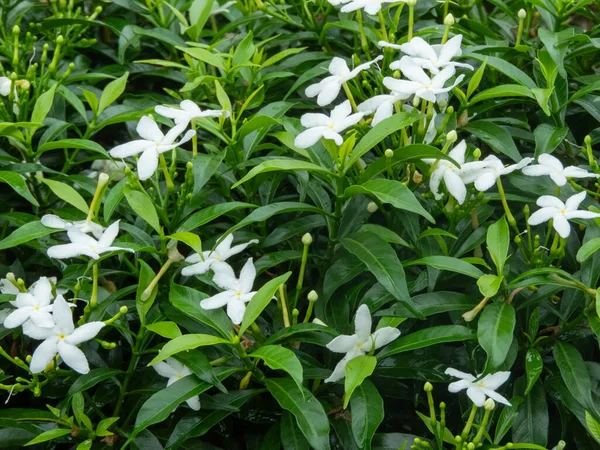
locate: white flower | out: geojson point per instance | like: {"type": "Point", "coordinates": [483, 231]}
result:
{"type": "Point", "coordinates": [220, 254]}
{"type": "Point", "coordinates": [173, 370]}
{"type": "Point", "coordinates": [84, 245]}
{"type": "Point", "coordinates": [382, 105]}
{"type": "Point", "coordinates": [63, 339]}
{"type": "Point", "coordinates": [85, 226]}
{"type": "Point", "coordinates": [479, 390]}
{"type": "Point", "coordinates": [360, 343]}
{"type": "Point", "coordinates": [431, 57]}
{"type": "Point", "coordinates": [329, 88]}
{"type": "Point", "coordinates": [5, 83]}
{"type": "Point", "coordinates": [216, 9]}
{"type": "Point", "coordinates": [153, 143]}
{"type": "Point", "coordinates": [370, 6]}
{"type": "Point", "coordinates": [550, 165]}
{"type": "Point", "coordinates": [34, 306]}
{"type": "Point", "coordinates": [238, 291]}
{"type": "Point", "coordinates": [188, 111]}
{"type": "Point", "coordinates": [419, 83]}
{"type": "Point", "coordinates": [494, 169]}
{"type": "Point", "coordinates": [452, 175]}
{"type": "Point", "coordinates": [560, 213]}
{"type": "Point", "coordinates": [6, 287]}
{"type": "Point", "coordinates": [114, 169]}
{"type": "Point", "coordinates": [320, 126]}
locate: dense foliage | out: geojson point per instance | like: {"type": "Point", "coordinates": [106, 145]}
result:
{"type": "Point", "coordinates": [327, 224]}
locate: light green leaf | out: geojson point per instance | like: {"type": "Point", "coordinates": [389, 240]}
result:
{"type": "Point", "coordinates": [495, 333]}
{"type": "Point", "coordinates": [191, 239]}
{"type": "Point", "coordinates": [498, 241]}
{"type": "Point", "coordinates": [367, 413]}
{"type": "Point", "coordinates": [588, 249]}
{"type": "Point", "coordinates": [26, 233]}
{"type": "Point", "coordinates": [496, 137]}
{"type": "Point", "coordinates": [281, 165]}
{"type": "Point", "coordinates": [143, 207]}
{"type": "Point", "coordinates": [143, 305]}
{"type": "Point", "coordinates": [489, 284]}
{"type": "Point", "coordinates": [280, 358]}
{"type": "Point", "coordinates": [476, 79]}
{"type": "Point", "coordinates": [204, 55]}
{"type": "Point", "coordinates": [49, 435]}
{"type": "Point", "coordinates": [66, 193]}
{"type": "Point", "coordinates": [42, 107]}
{"type": "Point", "coordinates": [16, 181]}
{"type": "Point", "coordinates": [357, 370]}
{"type": "Point", "coordinates": [186, 342]}
{"type": "Point", "coordinates": [448, 263]}
{"type": "Point", "coordinates": [593, 426]}
{"type": "Point", "coordinates": [166, 329]}
{"type": "Point", "coordinates": [111, 92]}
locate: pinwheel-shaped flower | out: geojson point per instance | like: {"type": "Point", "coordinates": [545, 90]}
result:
{"type": "Point", "coordinates": [479, 390]}
{"type": "Point", "coordinates": [63, 339]}
{"type": "Point", "coordinates": [202, 264]}
{"type": "Point", "coordinates": [328, 89]}
{"type": "Point", "coordinates": [430, 57]}
{"type": "Point", "coordinates": [188, 111]}
{"type": "Point", "coordinates": [238, 290]}
{"type": "Point", "coordinates": [84, 245]}
{"type": "Point", "coordinates": [552, 208]}
{"type": "Point", "coordinates": [153, 143]}
{"type": "Point", "coordinates": [370, 6]}
{"type": "Point", "coordinates": [33, 306]}
{"type": "Point", "coordinates": [320, 126]}
{"type": "Point", "coordinates": [173, 370]}
{"type": "Point", "coordinates": [360, 343]}
{"type": "Point", "coordinates": [550, 165]}
{"type": "Point", "coordinates": [419, 83]}
{"type": "Point", "coordinates": [382, 105]}
{"type": "Point", "coordinates": [494, 169]}
{"type": "Point", "coordinates": [84, 226]}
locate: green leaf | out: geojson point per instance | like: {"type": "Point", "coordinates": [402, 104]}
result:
{"type": "Point", "coordinates": [280, 358]}
{"type": "Point", "coordinates": [548, 138]}
{"type": "Point", "coordinates": [476, 79]}
{"type": "Point", "coordinates": [186, 342]}
{"type": "Point", "coordinates": [390, 191]}
{"type": "Point", "coordinates": [309, 413]}
{"type": "Point", "coordinates": [291, 437]}
{"type": "Point", "coordinates": [200, 366]}
{"type": "Point", "coordinates": [428, 337]}
{"type": "Point", "coordinates": [81, 144]}
{"type": "Point", "coordinates": [489, 284]}
{"type": "Point", "coordinates": [508, 69]}
{"type": "Point", "coordinates": [574, 373]}
{"type": "Point", "coordinates": [205, 56]}
{"type": "Point", "coordinates": [383, 262]}
{"type": "Point", "coordinates": [66, 193]}
{"type": "Point", "coordinates": [281, 165]}
{"type": "Point", "coordinates": [16, 181]}
{"type": "Point", "coordinates": [495, 332]}
{"type": "Point", "coordinates": [143, 207]}
{"type": "Point", "coordinates": [191, 239]}
{"type": "Point", "coordinates": [496, 137]}
{"type": "Point", "coordinates": [49, 435]}
{"type": "Point", "coordinates": [448, 263]}
{"type": "Point", "coordinates": [199, 13]}
{"type": "Point", "coordinates": [211, 213]}
{"type": "Point", "coordinates": [502, 91]}
{"type": "Point", "coordinates": [244, 50]}
{"type": "Point", "coordinates": [112, 91]}
{"type": "Point", "coordinates": [166, 329]}
{"type": "Point", "coordinates": [498, 241]}
{"type": "Point", "coordinates": [367, 413]}
{"type": "Point", "coordinates": [533, 367]}
{"type": "Point", "coordinates": [260, 300]}
{"type": "Point", "coordinates": [379, 132]}
{"type": "Point", "coordinates": [588, 249]}
{"type": "Point", "coordinates": [92, 99]}
{"type": "Point", "coordinates": [143, 305]}
{"type": "Point", "coordinates": [357, 370]}
{"type": "Point", "coordinates": [507, 419]}
{"type": "Point", "coordinates": [92, 378]}
{"type": "Point", "coordinates": [42, 107]}
{"type": "Point", "coordinates": [26, 233]}
{"type": "Point", "coordinates": [532, 421]}
{"type": "Point", "coordinates": [593, 426]}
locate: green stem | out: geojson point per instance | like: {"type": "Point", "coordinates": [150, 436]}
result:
{"type": "Point", "coordinates": [301, 274]}
{"type": "Point", "coordinates": [469, 424]}
{"type": "Point", "coordinates": [411, 21]}
{"type": "Point", "coordinates": [194, 140]}
{"type": "Point", "coordinates": [384, 34]}
{"type": "Point", "coordinates": [94, 298]}
{"type": "Point", "coordinates": [363, 37]}
{"type": "Point", "coordinates": [509, 216]}
{"type": "Point", "coordinates": [350, 97]}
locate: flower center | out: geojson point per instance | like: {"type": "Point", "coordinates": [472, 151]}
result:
{"type": "Point", "coordinates": [480, 384]}
{"type": "Point", "coordinates": [427, 86]}
{"type": "Point", "coordinates": [238, 293]}
{"type": "Point", "coordinates": [61, 336]}
{"type": "Point", "coordinates": [217, 258]}
{"type": "Point", "coordinates": [36, 308]}
{"type": "Point", "coordinates": [563, 211]}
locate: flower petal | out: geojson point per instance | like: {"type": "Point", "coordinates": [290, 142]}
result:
{"type": "Point", "coordinates": [485, 181]}
{"type": "Point", "coordinates": [66, 251]}
{"type": "Point", "coordinates": [164, 369]}
{"type": "Point", "coordinates": [537, 170]}
{"type": "Point", "coordinates": [562, 226]}
{"type": "Point", "coordinates": [578, 172]}
{"type": "Point", "coordinates": [52, 221]}
{"type": "Point", "coordinates": [338, 67]}
{"type": "Point", "coordinates": [383, 336]}
{"type": "Point", "coordinates": [458, 152]}
{"type": "Point", "coordinates": [217, 301]}
{"type": "Point", "coordinates": [238, 248]}
{"type": "Point", "coordinates": [450, 49]}
{"type": "Point", "coordinates": [149, 130]}
{"type": "Point", "coordinates": [130, 148]}
{"type": "Point", "coordinates": [581, 215]}
{"type": "Point", "coordinates": [343, 343]}
{"type": "Point", "coordinates": [62, 315]}
{"type": "Point", "coordinates": [18, 317]}
{"type": "Point", "coordinates": [574, 201]}
{"type": "Point", "coordinates": [197, 269]}
{"type": "Point", "coordinates": [42, 318]}
{"type": "Point", "coordinates": [73, 357]}
{"type": "Point", "coordinates": [84, 333]}
{"type": "Point", "coordinates": [550, 161]}
{"type": "Point", "coordinates": [542, 215]}
{"type": "Point", "coordinates": [148, 163]}
{"type": "Point", "coordinates": [458, 374]}
{"type": "Point", "coordinates": [413, 72]}
{"type": "Point", "coordinates": [550, 201]}
{"type": "Point", "coordinates": [496, 397]}
{"type": "Point", "coordinates": [309, 137]}
{"type": "Point", "coordinates": [476, 395]}
{"type": "Point", "coordinates": [558, 178]}
{"type": "Point", "coordinates": [44, 354]}
{"type": "Point", "coordinates": [455, 186]}
{"type": "Point", "coordinates": [418, 47]}
{"type": "Point", "coordinates": [34, 332]}
{"type": "Point", "coordinates": [362, 323]}
{"type": "Point", "coordinates": [109, 235]}
{"type": "Point", "coordinates": [310, 120]}
{"type": "Point", "coordinates": [458, 386]}
{"type": "Point", "coordinates": [341, 124]}
{"type": "Point", "coordinates": [247, 276]}
{"type": "Point", "coordinates": [224, 276]}
{"type": "Point", "coordinates": [329, 93]}
{"type": "Point", "coordinates": [494, 380]}
{"type": "Point", "coordinates": [341, 111]}
{"type": "Point", "coordinates": [194, 402]}
{"type": "Point", "coordinates": [235, 310]}
{"type": "Point", "coordinates": [334, 136]}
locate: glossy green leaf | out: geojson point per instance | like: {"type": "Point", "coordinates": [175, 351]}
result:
{"type": "Point", "coordinates": [588, 249]}
{"type": "Point", "coordinates": [211, 213]}
{"type": "Point", "coordinates": [593, 426]}
{"type": "Point", "coordinates": [49, 435]}
{"type": "Point", "coordinates": [574, 373]}
{"type": "Point", "coordinates": [533, 367]}
{"type": "Point", "coordinates": [489, 284]}
{"type": "Point", "coordinates": [496, 137]}
{"type": "Point", "coordinates": [190, 239]}
{"type": "Point", "coordinates": [16, 181]}
{"type": "Point", "coordinates": [281, 165]}
{"type": "Point", "coordinates": [280, 358]}
{"type": "Point", "coordinates": [166, 329]}
{"type": "Point", "coordinates": [26, 233]}
{"type": "Point", "coordinates": [357, 370]}
{"type": "Point", "coordinates": [498, 241]}
{"type": "Point", "coordinates": [366, 406]}
{"type": "Point", "coordinates": [66, 193]}
{"type": "Point", "coordinates": [143, 304]}
{"type": "Point", "coordinates": [495, 333]}
{"type": "Point", "coordinates": [448, 263]}
{"type": "Point", "coordinates": [112, 92]}
{"type": "Point", "coordinates": [186, 342]}
{"type": "Point", "coordinates": [143, 206]}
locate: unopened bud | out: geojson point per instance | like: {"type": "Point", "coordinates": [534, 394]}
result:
{"type": "Point", "coordinates": [588, 142]}
{"type": "Point", "coordinates": [451, 136]}
{"type": "Point", "coordinates": [396, 74]}
{"type": "Point", "coordinates": [476, 154]}
{"type": "Point", "coordinates": [449, 20]}
{"type": "Point", "coordinates": [28, 359]}
{"type": "Point", "coordinates": [11, 277]}
{"type": "Point", "coordinates": [471, 446]}
{"type": "Point", "coordinates": [450, 109]}
{"type": "Point", "coordinates": [411, 2]}
{"type": "Point", "coordinates": [174, 254]}
{"type": "Point", "coordinates": [307, 239]}
{"type": "Point", "coordinates": [428, 387]}
{"type": "Point", "coordinates": [16, 29]}
{"type": "Point", "coordinates": [319, 322]}
{"type": "Point", "coordinates": [60, 40]}
{"type": "Point", "coordinates": [389, 153]}
{"type": "Point", "coordinates": [123, 309]}
{"type": "Point", "coordinates": [313, 296]}
{"type": "Point", "coordinates": [102, 179]}
{"type": "Point", "coordinates": [372, 207]}
{"type": "Point", "coordinates": [560, 446]}
{"type": "Point", "coordinates": [522, 14]}
{"type": "Point", "coordinates": [246, 380]}
{"type": "Point", "coordinates": [189, 165]}
{"type": "Point", "coordinates": [489, 404]}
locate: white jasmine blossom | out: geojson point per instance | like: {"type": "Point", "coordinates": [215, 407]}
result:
{"type": "Point", "coordinates": [5, 84]}
{"type": "Point", "coordinates": [32, 306]}
{"type": "Point", "coordinates": [370, 6]}
{"type": "Point", "coordinates": [453, 175]}
{"type": "Point", "coordinates": [479, 390]}
{"type": "Point", "coordinates": [173, 370]}
{"type": "Point", "coordinates": [494, 169]}
{"type": "Point", "coordinates": [382, 105]}
{"type": "Point", "coordinates": [238, 290]}
{"type": "Point", "coordinates": [63, 339]}
{"type": "Point", "coordinates": [328, 89]}
{"type": "Point", "coordinates": [6, 287]}
{"type": "Point", "coordinates": [84, 226]}
{"type": "Point", "coordinates": [84, 245]}
{"type": "Point", "coordinates": [419, 83]}
{"type": "Point", "coordinates": [188, 111]}
{"type": "Point", "coordinates": [360, 343]}
{"type": "Point", "coordinates": [321, 126]}
{"type": "Point", "coordinates": [153, 143]}
{"type": "Point", "coordinates": [430, 57]}
{"type": "Point", "coordinates": [550, 165]}
{"type": "Point", "coordinates": [223, 251]}
{"type": "Point", "coordinates": [552, 208]}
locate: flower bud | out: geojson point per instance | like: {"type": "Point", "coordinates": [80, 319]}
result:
{"type": "Point", "coordinates": [372, 207]}
{"type": "Point", "coordinates": [588, 142]}
{"type": "Point", "coordinates": [189, 165]}
{"type": "Point", "coordinates": [396, 74]}
{"type": "Point", "coordinates": [16, 30]}
{"type": "Point", "coordinates": [245, 381]}
{"type": "Point", "coordinates": [451, 137]}
{"type": "Point", "coordinates": [313, 296]}
{"type": "Point", "coordinates": [11, 277]}
{"type": "Point", "coordinates": [102, 179]}
{"type": "Point", "coordinates": [307, 239]}
{"type": "Point", "coordinates": [560, 446]}
{"type": "Point", "coordinates": [319, 322]}
{"type": "Point", "coordinates": [522, 14]}
{"type": "Point", "coordinates": [463, 119]}
{"type": "Point", "coordinates": [476, 154]}
{"type": "Point", "coordinates": [411, 3]}
{"type": "Point", "coordinates": [389, 153]}
{"type": "Point", "coordinates": [471, 446]}
{"type": "Point", "coordinates": [449, 20]}
{"type": "Point", "coordinates": [489, 404]}
{"type": "Point", "coordinates": [428, 387]}
{"type": "Point", "coordinates": [123, 309]}
{"type": "Point", "coordinates": [28, 359]}
{"type": "Point", "coordinates": [174, 254]}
